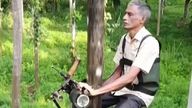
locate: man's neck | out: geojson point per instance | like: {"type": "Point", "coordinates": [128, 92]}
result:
{"type": "Point", "coordinates": [133, 32]}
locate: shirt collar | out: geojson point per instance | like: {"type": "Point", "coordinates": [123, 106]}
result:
{"type": "Point", "coordinates": [140, 34]}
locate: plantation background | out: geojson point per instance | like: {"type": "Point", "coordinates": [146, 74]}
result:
{"type": "Point", "coordinates": [55, 50]}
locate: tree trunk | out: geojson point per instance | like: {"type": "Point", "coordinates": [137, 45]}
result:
{"type": "Point", "coordinates": [72, 4]}
{"type": "Point", "coordinates": [17, 9]}
{"type": "Point", "coordinates": [159, 18]}
{"type": "Point", "coordinates": [189, 105]}
{"type": "Point", "coordinates": [36, 61]}
{"type": "Point", "coordinates": [116, 4]}
{"type": "Point", "coordinates": [162, 6]}
{"type": "Point", "coordinates": [36, 33]}
{"type": "Point", "coordinates": [1, 13]}
{"type": "Point", "coordinates": [0, 28]}
{"type": "Point", "coordinates": [186, 9]}
{"type": "Point", "coordinates": [95, 46]}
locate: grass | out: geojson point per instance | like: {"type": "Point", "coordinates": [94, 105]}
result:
{"type": "Point", "coordinates": [176, 57]}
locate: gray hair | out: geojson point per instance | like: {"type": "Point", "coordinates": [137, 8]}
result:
{"type": "Point", "coordinates": [144, 9]}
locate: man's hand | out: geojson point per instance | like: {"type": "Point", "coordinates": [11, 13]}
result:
{"type": "Point", "coordinates": [88, 87]}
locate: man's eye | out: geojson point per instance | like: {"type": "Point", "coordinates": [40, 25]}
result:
{"type": "Point", "coordinates": [129, 14]}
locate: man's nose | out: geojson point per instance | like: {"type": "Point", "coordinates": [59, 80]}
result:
{"type": "Point", "coordinates": [124, 17]}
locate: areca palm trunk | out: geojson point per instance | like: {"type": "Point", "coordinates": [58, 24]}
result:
{"type": "Point", "coordinates": [95, 46]}
{"type": "Point", "coordinates": [0, 14]}
{"type": "Point", "coordinates": [17, 10]}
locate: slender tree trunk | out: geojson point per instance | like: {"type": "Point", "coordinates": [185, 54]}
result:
{"type": "Point", "coordinates": [37, 34]}
{"type": "Point", "coordinates": [116, 4]}
{"type": "Point", "coordinates": [162, 6]}
{"type": "Point", "coordinates": [36, 61]}
{"type": "Point", "coordinates": [0, 14]}
{"type": "Point", "coordinates": [159, 18]}
{"type": "Point", "coordinates": [186, 9]}
{"type": "Point", "coordinates": [95, 46]}
{"type": "Point", "coordinates": [189, 105]}
{"type": "Point", "coordinates": [17, 9]}
{"type": "Point", "coordinates": [72, 4]}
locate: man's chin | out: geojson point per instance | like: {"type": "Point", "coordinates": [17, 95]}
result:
{"type": "Point", "coordinates": [126, 27]}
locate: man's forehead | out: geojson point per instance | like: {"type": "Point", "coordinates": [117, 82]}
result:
{"type": "Point", "coordinates": [132, 8]}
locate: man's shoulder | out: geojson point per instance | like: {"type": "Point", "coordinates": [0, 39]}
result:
{"type": "Point", "coordinates": [151, 39]}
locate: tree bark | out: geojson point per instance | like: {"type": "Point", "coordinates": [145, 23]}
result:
{"type": "Point", "coordinates": [116, 4]}
{"type": "Point", "coordinates": [159, 18]}
{"type": "Point", "coordinates": [1, 12]}
{"type": "Point", "coordinates": [162, 6]}
{"type": "Point", "coordinates": [186, 9]}
{"type": "Point", "coordinates": [37, 34]}
{"type": "Point", "coordinates": [36, 61]}
{"type": "Point", "coordinates": [189, 105]}
{"type": "Point", "coordinates": [72, 4]}
{"type": "Point", "coordinates": [17, 9]}
{"type": "Point", "coordinates": [95, 46]}
{"type": "Point", "coordinates": [0, 27]}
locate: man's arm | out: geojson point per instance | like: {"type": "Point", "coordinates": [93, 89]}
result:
{"type": "Point", "coordinates": [116, 74]}
{"type": "Point", "coordinates": [116, 84]}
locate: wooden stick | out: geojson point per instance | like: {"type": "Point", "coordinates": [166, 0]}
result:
{"type": "Point", "coordinates": [74, 67]}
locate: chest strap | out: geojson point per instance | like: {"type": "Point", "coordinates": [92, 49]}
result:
{"type": "Point", "coordinates": [124, 42]}
{"type": "Point", "coordinates": [142, 86]}
{"type": "Point", "coordinates": [128, 62]}
{"type": "Point", "coordinates": [125, 61]}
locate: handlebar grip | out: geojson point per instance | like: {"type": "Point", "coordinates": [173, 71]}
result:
{"type": "Point", "coordinates": [85, 91]}
{"type": "Point", "coordinates": [73, 68]}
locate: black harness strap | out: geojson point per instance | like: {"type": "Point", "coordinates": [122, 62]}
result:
{"type": "Point", "coordinates": [141, 43]}
{"type": "Point", "coordinates": [123, 45]}
{"type": "Point", "coordinates": [125, 61]}
{"type": "Point", "coordinates": [140, 88]}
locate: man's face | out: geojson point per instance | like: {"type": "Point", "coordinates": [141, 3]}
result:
{"type": "Point", "coordinates": [132, 19]}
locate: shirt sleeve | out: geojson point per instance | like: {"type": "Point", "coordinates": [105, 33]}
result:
{"type": "Point", "coordinates": [147, 54]}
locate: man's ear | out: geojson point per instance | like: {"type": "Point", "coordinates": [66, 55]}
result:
{"type": "Point", "coordinates": [142, 21]}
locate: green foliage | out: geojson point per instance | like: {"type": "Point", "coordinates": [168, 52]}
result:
{"type": "Point", "coordinates": [7, 18]}
{"type": "Point", "coordinates": [114, 24]}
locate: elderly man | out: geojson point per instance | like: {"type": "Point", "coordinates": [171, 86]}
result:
{"type": "Point", "coordinates": [136, 77]}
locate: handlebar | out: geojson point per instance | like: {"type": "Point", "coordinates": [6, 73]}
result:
{"type": "Point", "coordinates": [78, 97]}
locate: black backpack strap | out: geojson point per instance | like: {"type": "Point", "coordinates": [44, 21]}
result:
{"type": "Point", "coordinates": [141, 43]}
{"type": "Point", "coordinates": [125, 61]}
{"type": "Point", "coordinates": [123, 44]}
{"type": "Point", "coordinates": [159, 47]}
{"type": "Point", "coordinates": [124, 41]}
